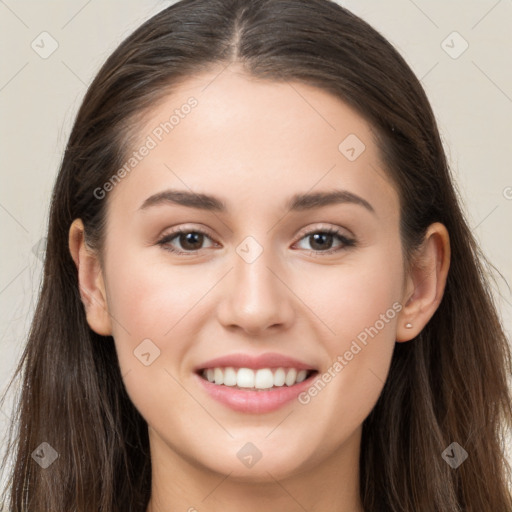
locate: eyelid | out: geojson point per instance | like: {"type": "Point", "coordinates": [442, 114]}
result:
{"type": "Point", "coordinates": [319, 226]}
{"type": "Point", "coordinates": [302, 233]}
{"type": "Point", "coordinates": [197, 228]}
{"type": "Point", "coordinates": [307, 231]}
{"type": "Point", "coordinates": [184, 228]}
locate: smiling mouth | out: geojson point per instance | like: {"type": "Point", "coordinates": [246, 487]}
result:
{"type": "Point", "coordinates": [249, 379]}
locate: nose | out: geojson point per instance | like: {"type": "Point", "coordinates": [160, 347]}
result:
{"type": "Point", "coordinates": [256, 296]}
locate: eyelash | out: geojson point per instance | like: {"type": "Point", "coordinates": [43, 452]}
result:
{"type": "Point", "coordinates": [347, 242]}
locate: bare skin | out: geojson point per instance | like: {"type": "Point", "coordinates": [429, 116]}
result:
{"type": "Point", "coordinates": [254, 144]}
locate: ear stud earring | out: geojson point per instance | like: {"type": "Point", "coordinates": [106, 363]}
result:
{"type": "Point", "coordinates": [408, 325]}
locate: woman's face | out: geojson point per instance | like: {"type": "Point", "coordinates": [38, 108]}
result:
{"type": "Point", "coordinates": [260, 284]}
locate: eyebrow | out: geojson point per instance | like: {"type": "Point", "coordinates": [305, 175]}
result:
{"type": "Point", "coordinates": [298, 202]}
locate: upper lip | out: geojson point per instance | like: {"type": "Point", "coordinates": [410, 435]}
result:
{"type": "Point", "coordinates": [267, 360]}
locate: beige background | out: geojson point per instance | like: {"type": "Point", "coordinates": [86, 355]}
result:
{"type": "Point", "coordinates": [471, 96]}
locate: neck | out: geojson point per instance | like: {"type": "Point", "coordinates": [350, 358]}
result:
{"type": "Point", "coordinates": [329, 486]}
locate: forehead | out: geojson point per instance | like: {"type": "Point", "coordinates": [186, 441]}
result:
{"type": "Point", "coordinates": [249, 140]}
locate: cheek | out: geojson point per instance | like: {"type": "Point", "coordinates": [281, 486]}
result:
{"type": "Point", "coordinates": [151, 306]}
{"type": "Point", "coordinates": [357, 297]}
{"type": "Point", "coordinates": [366, 306]}
{"type": "Point", "coordinates": [149, 298]}
{"type": "Point", "coordinates": [360, 305]}
{"type": "Point", "coordinates": [151, 310]}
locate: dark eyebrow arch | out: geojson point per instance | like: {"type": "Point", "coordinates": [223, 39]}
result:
{"type": "Point", "coordinates": [298, 202]}
{"type": "Point", "coordinates": [301, 202]}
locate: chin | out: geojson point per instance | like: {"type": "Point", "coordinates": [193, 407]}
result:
{"type": "Point", "coordinates": [247, 465]}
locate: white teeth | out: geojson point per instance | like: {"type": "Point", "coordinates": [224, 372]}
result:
{"type": "Point", "coordinates": [229, 377]}
{"type": "Point", "coordinates": [218, 375]}
{"type": "Point", "coordinates": [245, 378]}
{"type": "Point", "coordinates": [279, 377]}
{"type": "Point", "coordinates": [301, 375]}
{"type": "Point", "coordinates": [290, 377]}
{"type": "Point", "coordinates": [264, 378]}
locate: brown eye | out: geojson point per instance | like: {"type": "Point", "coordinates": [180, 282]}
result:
{"type": "Point", "coordinates": [188, 241]}
{"type": "Point", "coordinates": [322, 240]}
{"type": "Point", "coordinates": [191, 241]}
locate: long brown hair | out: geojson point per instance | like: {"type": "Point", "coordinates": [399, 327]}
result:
{"type": "Point", "coordinates": [447, 385]}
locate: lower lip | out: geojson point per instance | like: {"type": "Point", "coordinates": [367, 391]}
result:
{"type": "Point", "coordinates": [255, 401]}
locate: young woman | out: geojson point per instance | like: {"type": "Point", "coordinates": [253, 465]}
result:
{"type": "Point", "coordinates": [259, 291]}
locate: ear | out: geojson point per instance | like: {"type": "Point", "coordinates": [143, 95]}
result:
{"type": "Point", "coordinates": [90, 280]}
{"type": "Point", "coordinates": [425, 284]}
